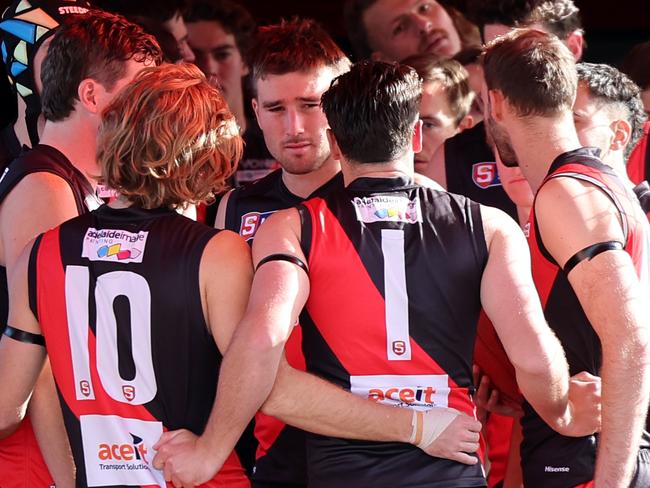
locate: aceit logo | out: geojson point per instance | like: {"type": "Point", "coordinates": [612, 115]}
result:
{"type": "Point", "coordinates": [406, 396]}
{"type": "Point", "coordinates": [136, 451]}
{"type": "Point", "coordinates": [485, 175]}
{"type": "Point", "coordinates": [421, 392]}
{"type": "Point", "coordinates": [116, 250]}
{"type": "Point", "coordinates": [250, 223]}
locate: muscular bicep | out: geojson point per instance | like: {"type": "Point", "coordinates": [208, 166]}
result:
{"type": "Point", "coordinates": [280, 286]}
{"type": "Point", "coordinates": [508, 293]}
{"type": "Point", "coordinates": [20, 362]}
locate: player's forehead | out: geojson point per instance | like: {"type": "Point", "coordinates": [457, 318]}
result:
{"type": "Point", "coordinates": [310, 83]}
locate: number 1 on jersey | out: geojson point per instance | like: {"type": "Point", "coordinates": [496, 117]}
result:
{"type": "Point", "coordinates": [398, 343]}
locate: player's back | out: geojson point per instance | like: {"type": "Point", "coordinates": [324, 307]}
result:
{"type": "Point", "coordinates": [118, 297]}
{"type": "Point", "coordinates": [395, 273]}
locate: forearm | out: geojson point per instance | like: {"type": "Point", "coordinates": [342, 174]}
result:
{"type": "Point", "coordinates": [245, 380]}
{"type": "Point", "coordinates": [625, 390]}
{"type": "Point", "coordinates": [47, 420]}
{"type": "Point", "coordinates": [315, 405]}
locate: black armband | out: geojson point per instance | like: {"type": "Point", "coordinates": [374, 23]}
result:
{"type": "Point", "coordinates": [283, 257]}
{"type": "Point", "coordinates": [25, 337]}
{"type": "Point", "coordinates": [590, 252]}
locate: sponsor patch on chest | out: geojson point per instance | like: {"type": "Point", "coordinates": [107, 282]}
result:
{"type": "Point", "coordinates": [421, 392]}
{"type": "Point", "coordinates": [118, 451]}
{"type": "Point", "coordinates": [389, 208]}
{"type": "Point", "coordinates": [485, 175]}
{"type": "Point", "coordinates": [114, 245]}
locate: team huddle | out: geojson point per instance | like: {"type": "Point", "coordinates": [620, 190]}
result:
{"type": "Point", "coordinates": [344, 320]}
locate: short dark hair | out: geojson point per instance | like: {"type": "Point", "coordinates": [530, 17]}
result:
{"type": "Point", "coordinates": [163, 11]}
{"type": "Point", "coordinates": [534, 70]}
{"type": "Point", "coordinates": [559, 17]}
{"type": "Point", "coordinates": [614, 89]}
{"type": "Point", "coordinates": [451, 75]}
{"type": "Point", "coordinates": [636, 64]}
{"type": "Point", "coordinates": [372, 110]}
{"type": "Point", "coordinates": [292, 46]}
{"type": "Point", "coordinates": [92, 45]}
{"type": "Point", "coordinates": [353, 11]}
{"type": "Point", "coordinates": [232, 17]}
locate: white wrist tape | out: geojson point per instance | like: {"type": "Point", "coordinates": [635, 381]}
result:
{"type": "Point", "coordinates": [427, 426]}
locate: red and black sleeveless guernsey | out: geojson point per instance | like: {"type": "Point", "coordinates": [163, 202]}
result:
{"type": "Point", "coordinates": [395, 271]}
{"type": "Point", "coordinates": [472, 170]}
{"type": "Point", "coordinates": [281, 452]}
{"type": "Point", "coordinates": [21, 462]}
{"type": "Point", "coordinates": [117, 295]}
{"type": "Point", "coordinates": [638, 164]}
{"type": "Point", "coordinates": [550, 460]}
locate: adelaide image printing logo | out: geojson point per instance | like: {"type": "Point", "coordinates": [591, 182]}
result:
{"type": "Point", "coordinates": [114, 245]}
{"type": "Point", "coordinates": [485, 175]}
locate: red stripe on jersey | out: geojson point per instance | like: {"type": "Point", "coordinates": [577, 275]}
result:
{"type": "Point", "coordinates": [21, 462]}
{"type": "Point", "coordinates": [636, 165]}
{"type": "Point", "coordinates": [349, 311]}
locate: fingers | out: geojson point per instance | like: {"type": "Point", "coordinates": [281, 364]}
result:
{"type": "Point", "coordinates": [166, 437]}
{"type": "Point", "coordinates": [464, 458]}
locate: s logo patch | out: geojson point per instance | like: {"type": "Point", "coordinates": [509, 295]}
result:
{"type": "Point", "coordinates": [485, 175]}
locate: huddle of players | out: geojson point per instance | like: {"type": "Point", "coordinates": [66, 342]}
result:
{"type": "Point", "coordinates": [293, 245]}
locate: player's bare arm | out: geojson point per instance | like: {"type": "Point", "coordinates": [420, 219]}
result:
{"type": "Point", "coordinates": [20, 361]}
{"type": "Point", "coordinates": [511, 302]}
{"type": "Point", "coordinates": [615, 303]}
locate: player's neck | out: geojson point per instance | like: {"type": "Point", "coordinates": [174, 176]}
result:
{"type": "Point", "coordinates": [616, 161]}
{"type": "Point", "coordinates": [76, 141]}
{"type": "Point", "coordinates": [303, 185]}
{"type": "Point", "coordinates": [397, 168]}
{"type": "Point", "coordinates": [537, 142]}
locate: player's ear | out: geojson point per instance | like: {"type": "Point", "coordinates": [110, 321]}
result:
{"type": "Point", "coordinates": [334, 146]}
{"type": "Point", "coordinates": [622, 132]}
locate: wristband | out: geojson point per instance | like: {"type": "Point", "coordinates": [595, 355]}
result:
{"type": "Point", "coordinates": [427, 426]}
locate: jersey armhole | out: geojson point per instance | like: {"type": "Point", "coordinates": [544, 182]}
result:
{"type": "Point", "coordinates": [32, 277]}
{"type": "Point", "coordinates": [230, 211]}
{"type": "Point", "coordinates": [305, 230]}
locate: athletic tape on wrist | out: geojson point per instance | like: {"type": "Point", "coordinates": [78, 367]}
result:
{"type": "Point", "coordinates": [427, 426]}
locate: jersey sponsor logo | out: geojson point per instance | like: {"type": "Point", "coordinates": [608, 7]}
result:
{"type": "Point", "coordinates": [118, 451]}
{"type": "Point", "coordinates": [420, 392]}
{"type": "Point", "coordinates": [250, 223]}
{"type": "Point", "coordinates": [557, 469]}
{"type": "Point", "coordinates": [114, 245]}
{"type": "Point", "coordinates": [388, 208]}
{"type": "Point", "coordinates": [485, 175]}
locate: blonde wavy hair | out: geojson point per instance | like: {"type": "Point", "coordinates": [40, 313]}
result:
{"type": "Point", "coordinates": [167, 139]}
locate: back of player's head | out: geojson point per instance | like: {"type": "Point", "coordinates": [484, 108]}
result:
{"type": "Point", "coordinates": [534, 70]}
{"type": "Point", "coordinates": [449, 74]}
{"type": "Point", "coordinates": [372, 110]}
{"type": "Point", "coordinates": [168, 138]}
{"type": "Point", "coordinates": [233, 18]}
{"type": "Point", "coordinates": [618, 93]}
{"type": "Point", "coordinates": [93, 45]}
{"type": "Point", "coordinates": [296, 45]}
